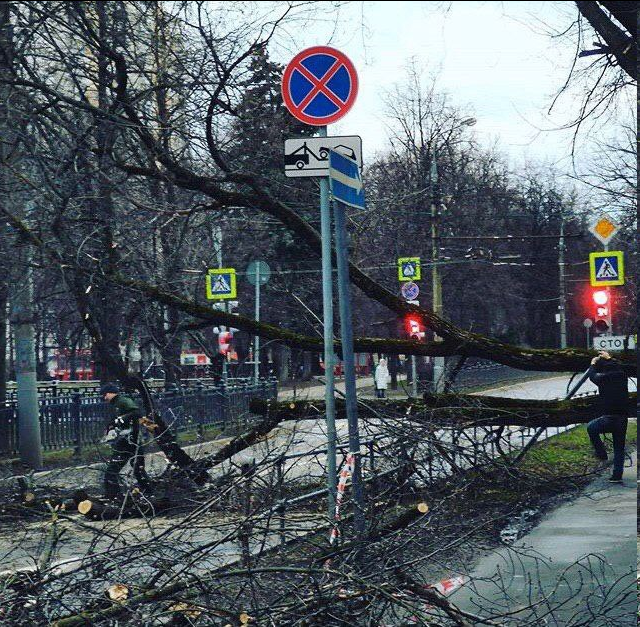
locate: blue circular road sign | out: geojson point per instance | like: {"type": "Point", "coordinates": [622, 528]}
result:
{"type": "Point", "coordinates": [410, 290]}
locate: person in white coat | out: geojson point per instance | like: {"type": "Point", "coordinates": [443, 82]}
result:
{"type": "Point", "coordinates": [381, 378]}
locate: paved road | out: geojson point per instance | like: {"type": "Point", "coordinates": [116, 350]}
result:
{"type": "Point", "coordinates": [540, 389]}
{"type": "Point", "coordinates": [316, 392]}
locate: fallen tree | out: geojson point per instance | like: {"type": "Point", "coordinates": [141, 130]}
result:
{"type": "Point", "coordinates": [463, 411]}
{"type": "Point", "coordinates": [456, 342]}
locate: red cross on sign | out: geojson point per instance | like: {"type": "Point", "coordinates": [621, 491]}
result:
{"type": "Point", "coordinates": [319, 85]}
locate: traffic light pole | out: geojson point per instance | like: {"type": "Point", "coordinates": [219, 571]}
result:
{"type": "Point", "coordinates": [414, 377]}
{"type": "Point", "coordinates": [327, 309]}
{"type": "Point", "coordinates": [256, 339]}
{"type": "Point", "coordinates": [217, 234]}
{"type": "Point", "coordinates": [438, 362]}
{"type": "Point", "coordinates": [563, 294]}
{"type": "Point", "coordinates": [609, 307]}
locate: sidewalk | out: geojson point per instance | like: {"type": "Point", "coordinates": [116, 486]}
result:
{"type": "Point", "coordinates": [316, 391]}
{"type": "Point", "coordinates": [590, 540]}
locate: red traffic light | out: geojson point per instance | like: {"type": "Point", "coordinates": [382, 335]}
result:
{"type": "Point", "coordinates": [412, 324]}
{"type": "Point", "coordinates": [414, 327]}
{"type": "Point", "coordinates": [600, 297]}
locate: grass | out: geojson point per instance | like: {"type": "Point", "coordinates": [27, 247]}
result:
{"type": "Point", "coordinates": [209, 432]}
{"type": "Point", "coordinates": [570, 453]}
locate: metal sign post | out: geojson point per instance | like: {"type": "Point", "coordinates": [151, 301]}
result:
{"type": "Point", "coordinates": [587, 323]}
{"type": "Point", "coordinates": [329, 361]}
{"type": "Point", "coordinates": [346, 333]}
{"type": "Point", "coordinates": [258, 273]}
{"type": "Point", "coordinates": [346, 187]}
{"type": "Point", "coordinates": [319, 86]}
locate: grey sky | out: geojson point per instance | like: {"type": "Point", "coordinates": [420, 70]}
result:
{"type": "Point", "coordinates": [498, 58]}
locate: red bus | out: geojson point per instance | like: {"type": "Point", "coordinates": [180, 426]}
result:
{"type": "Point", "coordinates": [84, 367]}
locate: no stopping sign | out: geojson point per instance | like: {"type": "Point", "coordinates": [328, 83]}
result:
{"type": "Point", "coordinates": [319, 85]}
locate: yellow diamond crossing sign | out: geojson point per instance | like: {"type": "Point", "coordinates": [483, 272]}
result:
{"type": "Point", "coordinates": [604, 227]}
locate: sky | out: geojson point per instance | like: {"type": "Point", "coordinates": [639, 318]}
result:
{"type": "Point", "coordinates": [496, 59]}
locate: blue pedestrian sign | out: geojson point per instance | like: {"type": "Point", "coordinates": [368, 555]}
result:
{"type": "Point", "coordinates": [221, 284]}
{"type": "Point", "coordinates": [606, 268]}
{"type": "Point", "coordinates": [409, 269]}
{"type": "Point", "coordinates": [410, 291]}
{"type": "Point", "coordinates": [345, 180]}
{"type": "Point", "coordinates": [319, 85]}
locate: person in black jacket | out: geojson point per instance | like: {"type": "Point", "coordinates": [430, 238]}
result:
{"type": "Point", "coordinates": [613, 392]}
{"type": "Point", "coordinates": [123, 434]}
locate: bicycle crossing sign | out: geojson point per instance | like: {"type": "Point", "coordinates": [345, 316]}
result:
{"type": "Point", "coordinates": [606, 268]}
{"type": "Point", "coordinates": [409, 269]}
{"type": "Point", "coordinates": [221, 284]}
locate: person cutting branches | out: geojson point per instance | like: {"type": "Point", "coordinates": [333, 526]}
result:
{"type": "Point", "coordinates": [608, 375]}
{"type": "Point", "coordinates": [123, 433]}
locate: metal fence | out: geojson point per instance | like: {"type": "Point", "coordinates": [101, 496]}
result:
{"type": "Point", "coordinates": [75, 420]}
{"type": "Point", "coordinates": [55, 389]}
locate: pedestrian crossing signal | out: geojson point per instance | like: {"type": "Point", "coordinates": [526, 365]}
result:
{"type": "Point", "coordinates": [606, 268]}
{"type": "Point", "coordinates": [409, 269]}
{"type": "Point", "coordinates": [221, 284]}
{"type": "Point", "coordinates": [414, 328]}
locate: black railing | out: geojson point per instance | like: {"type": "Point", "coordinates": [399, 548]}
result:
{"type": "Point", "coordinates": [75, 420]}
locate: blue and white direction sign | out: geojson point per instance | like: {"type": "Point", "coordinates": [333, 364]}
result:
{"type": "Point", "coordinates": [345, 180]}
{"type": "Point", "coordinates": [319, 85]}
{"type": "Point", "coordinates": [606, 268]}
{"type": "Point", "coordinates": [221, 284]}
{"type": "Point", "coordinates": [410, 291]}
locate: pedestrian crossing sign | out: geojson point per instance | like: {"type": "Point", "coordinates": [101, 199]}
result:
{"type": "Point", "coordinates": [409, 269]}
{"type": "Point", "coordinates": [606, 268]}
{"type": "Point", "coordinates": [221, 284]}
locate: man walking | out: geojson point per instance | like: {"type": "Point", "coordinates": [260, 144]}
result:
{"type": "Point", "coordinates": [613, 393]}
{"type": "Point", "coordinates": [123, 435]}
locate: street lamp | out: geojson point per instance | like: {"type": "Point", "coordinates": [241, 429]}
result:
{"type": "Point", "coordinates": [436, 280]}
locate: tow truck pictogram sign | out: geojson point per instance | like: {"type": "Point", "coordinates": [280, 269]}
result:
{"type": "Point", "coordinates": [309, 156]}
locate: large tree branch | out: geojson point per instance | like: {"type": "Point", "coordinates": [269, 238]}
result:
{"type": "Point", "coordinates": [462, 343]}
{"type": "Point", "coordinates": [621, 45]}
{"type": "Point", "coordinates": [451, 410]}
{"type": "Point", "coordinates": [457, 341]}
